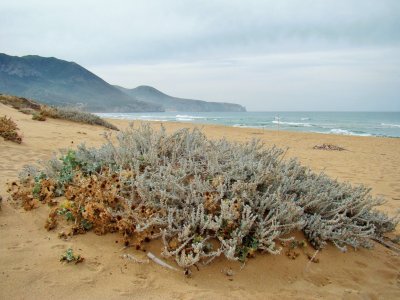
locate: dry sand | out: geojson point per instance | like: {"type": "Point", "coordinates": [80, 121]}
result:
{"type": "Point", "coordinates": [29, 255]}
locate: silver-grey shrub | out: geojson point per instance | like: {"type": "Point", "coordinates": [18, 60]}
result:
{"type": "Point", "coordinates": [214, 197]}
{"type": "Point", "coordinates": [75, 115]}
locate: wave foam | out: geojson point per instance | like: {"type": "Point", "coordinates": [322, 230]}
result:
{"type": "Point", "coordinates": [189, 117]}
{"type": "Point", "coordinates": [391, 125]}
{"type": "Point", "coordinates": [347, 132]}
{"type": "Point", "coordinates": [293, 124]}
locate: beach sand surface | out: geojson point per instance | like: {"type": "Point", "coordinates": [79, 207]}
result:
{"type": "Point", "coordinates": [29, 255]}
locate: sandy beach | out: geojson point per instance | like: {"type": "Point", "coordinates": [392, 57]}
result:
{"type": "Point", "coordinates": [29, 254]}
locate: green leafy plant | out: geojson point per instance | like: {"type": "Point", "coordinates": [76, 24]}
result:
{"type": "Point", "coordinates": [69, 216]}
{"type": "Point", "coordinates": [37, 186]}
{"type": "Point", "coordinates": [69, 257]}
{"type": "Point", "coordinates": [69, 164]}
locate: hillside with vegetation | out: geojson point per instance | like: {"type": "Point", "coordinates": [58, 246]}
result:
{"type": "Point", "coordinates": [151, 95]}
{"type": "Point", "coordinates": [58, 82]}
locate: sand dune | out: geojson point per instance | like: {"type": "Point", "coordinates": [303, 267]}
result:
{"type": "Point", "coordinates": [29, 255]}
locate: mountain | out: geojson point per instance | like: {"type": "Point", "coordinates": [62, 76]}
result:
{"type": "Point", "coordinates": [58, 82]}
{"type": "Point", "coordinates": [151, 95]}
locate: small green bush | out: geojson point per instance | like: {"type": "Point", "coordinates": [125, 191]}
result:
{"type": "Point", "coordinates": [69, 257]}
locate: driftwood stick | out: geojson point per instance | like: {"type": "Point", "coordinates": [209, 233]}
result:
{"type": "Point", "coordinates": [387, 245]}
{"type": "Point", "coordinates": [311, 260]}
{"type": "Point", "coordinates": [134, 259]}
{"type": "Point", "coordinates": [160, 262]}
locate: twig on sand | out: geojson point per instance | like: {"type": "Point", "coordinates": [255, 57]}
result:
{"type": "Point", "coordinates": [311, 260]}
{"type": "Point", "coordinates": [387, 245]}
{"type": "Point", "coordinates": [134, 259]}
{"type": "Point", "coordinates": [328, 147]}
{"type": "Point", "coordinates": [160, 262]}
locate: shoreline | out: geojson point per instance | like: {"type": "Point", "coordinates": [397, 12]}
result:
{"type": "Point", "coordinates": [380, 124]}
{"type": "Point", "coordinates": [187, 124]}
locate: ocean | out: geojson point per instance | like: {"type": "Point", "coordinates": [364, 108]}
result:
{"type": "Point", "coordinates": [385, 124]}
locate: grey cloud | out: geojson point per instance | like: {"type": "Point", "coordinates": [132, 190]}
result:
{"type": "Point", "coordinates": [284, 54]}
{"type": "Point", "coordinates": [120, 31]}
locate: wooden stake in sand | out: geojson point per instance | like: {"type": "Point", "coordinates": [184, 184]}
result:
{"type": "Point", "coordinates": [160, 262]}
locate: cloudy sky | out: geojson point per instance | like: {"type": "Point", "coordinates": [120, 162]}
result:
{"type": "Point", "coordinates": [266, 54]}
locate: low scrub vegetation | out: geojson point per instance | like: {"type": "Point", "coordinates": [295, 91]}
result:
{"type": "Point", "coordinates": [8, 130]}
{"type": "Point", "coordinates": [202, 198]}
{"type": "Point", "coordinates": [19, 103]}
{"type": "Point", "coordinates": [75, 115]}
{"type": "Point", "coordinates": [40, 112]}
{"type": "Point", "coordinates": [38, 117]}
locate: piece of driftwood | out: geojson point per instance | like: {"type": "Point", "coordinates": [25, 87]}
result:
{"type": "Point", "coordinates": [160, 262]}
{"type": "Point", "coordinates": [387, 245]}
{"type": "Point", "coordinates": [134, 259]}
{"type": "Point", "coordinates": [312, 259]}
{"type": "Point", "coordinates": [328, 147]}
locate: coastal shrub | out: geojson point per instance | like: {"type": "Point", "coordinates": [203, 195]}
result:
{"type": "Point", "coordinates": [19, 103]}
{"type": "Point", "coordinates": [203, 198]}
{"type": "Point", "coordinates": [38, 117]}
{"type": "Point", "coordinates": [8, 130]}
{"type": "Point", "coordinates": [39, 111]}
{"type": "Point", "coordinates": [75, 115]}
{"type": "Point", "coordinates": [27, 111]}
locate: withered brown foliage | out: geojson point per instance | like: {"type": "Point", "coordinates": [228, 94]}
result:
{"type": "Point", "coordinates": [8, 130]}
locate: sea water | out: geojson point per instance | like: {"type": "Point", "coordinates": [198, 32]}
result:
{"type": "Point", "coordinates": [385, 124]}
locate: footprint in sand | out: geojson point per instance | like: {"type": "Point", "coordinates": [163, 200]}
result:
{"type": "Point", "coordinates": [94, 266]}
{"type": "Point", "coordinates": [58, 246]}
{"type": "Point", "coordinates": [123, 293]}
{"type": "Point", "coordinates": [87, 280]}
{"type": "Point", "coordinates": [139, 281]}
{"type": "Point", "coordinates": [360, 264]}
{"type": "Point", "coordinates": [390, 275]}
{"type": "Point", "coordinates": [318, 280]}
{"type": "Point", "coordinates": [14, 247]}
{"type": "Point", "coordinates": [143, 281]}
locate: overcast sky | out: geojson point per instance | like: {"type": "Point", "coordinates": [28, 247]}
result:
{"type": "Point", "coordinates": [266, 55]}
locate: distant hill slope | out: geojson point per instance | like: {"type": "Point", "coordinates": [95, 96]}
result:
{"type": "Point", "coordinates": [152, 95]}
{"type": "Point", "coordinates": [58, 82]}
